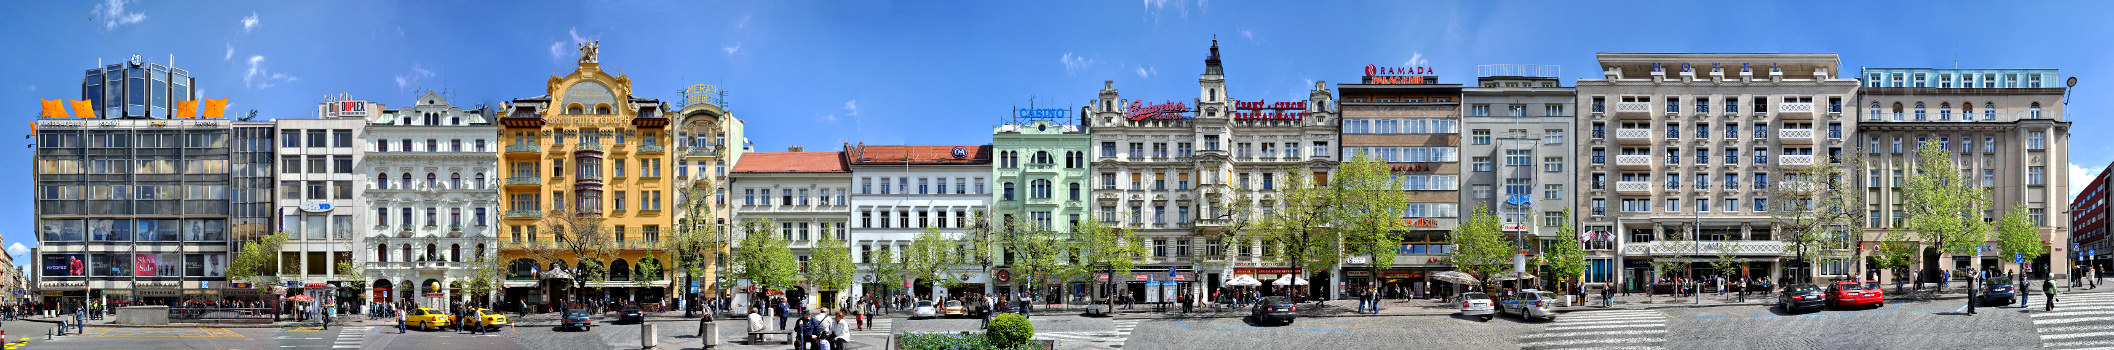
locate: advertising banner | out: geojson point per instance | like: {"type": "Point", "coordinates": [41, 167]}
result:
{"type": "Point", "coordinates": [64, 264]}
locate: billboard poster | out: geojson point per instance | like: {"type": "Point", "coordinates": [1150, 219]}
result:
{"type": "Point", "coordinates": [145, 265]}
{"type": "Point", "coordinates": [59, 265]}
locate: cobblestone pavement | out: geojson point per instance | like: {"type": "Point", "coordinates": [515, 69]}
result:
{"type": "Point", "coordinates": [1940, 324]}
{"type": "Point", "coordinates": [1375, 332]}
{"type": "Point", "coordinates": [1614, 329]}
{"type": "Point", "coordinates": [2080, 321]}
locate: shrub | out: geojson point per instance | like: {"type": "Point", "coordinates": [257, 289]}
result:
{"type": "Point", "coordinates": [1009, 330]}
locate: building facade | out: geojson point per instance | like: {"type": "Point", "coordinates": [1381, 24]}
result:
{"type": "Point", "coordinates": [1404, 117]}
{"type": "Point", "coordinates": [1721, 122]}
{"type": "Point", "coordinates": [2088, 222]}
{"type": "Point", "coordinates": [709, 140]}
{"type": "Point", "coordinates": [586, 158]}
{"type": "Point", "coordinates": [1519, 155]}
{"type": "Point", "coordinates": [901, 191]}
{"type": "Point", "coordinates": [801, 196]}
{"type": "Point", "coordinates": [137, 89]}
{"type": "Point", "coordinates": [131, 210]}
{"type": "Point", "coordinates": [320, 207]}
{"type": "Point", "coordinates": [432, 201]}
{"type": "Point", "coordinates": [2012, 136]}
{"type": "Point", "coordinates": [1169, 172]}
{"type": "Point", "coordinates": [1043, 154]}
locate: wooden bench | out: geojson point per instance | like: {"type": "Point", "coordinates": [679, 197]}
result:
{"type": "Point", "coordinates": [756, 337]}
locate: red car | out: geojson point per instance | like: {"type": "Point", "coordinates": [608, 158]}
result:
{"type": "Point", "coordinates": [1845, 293]}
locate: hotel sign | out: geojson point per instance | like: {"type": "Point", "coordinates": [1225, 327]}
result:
{"type": "Point", "coordinates": [1399, 75]}
{"type": "Point", "coordinates": [1412, 167]}
{"type": "Point", "coordinates": [1165, 110]}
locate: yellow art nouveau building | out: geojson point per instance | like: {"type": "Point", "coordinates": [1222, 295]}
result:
{"type": "Point", "coordinates": [589, 191]}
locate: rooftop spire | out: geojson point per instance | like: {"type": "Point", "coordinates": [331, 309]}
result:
{"type": "Point", "coordinates": [1211, 63]}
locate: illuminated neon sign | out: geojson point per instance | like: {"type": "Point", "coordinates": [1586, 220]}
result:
{"type": "Point", "coordinates": [1262, 110]}
{"type": "Point", "coordinates": [1399, 75]}
{"type": "Point", "coordinates": [1165, 110]}
{"type": "Point", "coordinates": [1041, 113]}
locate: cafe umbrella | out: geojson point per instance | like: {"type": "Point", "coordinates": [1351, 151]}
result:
{"type": "Point", "coordinates": [1455, 277]}
{"type": "Point", "coordinates": [1243, 281]}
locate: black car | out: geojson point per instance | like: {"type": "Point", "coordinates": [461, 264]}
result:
{"type": "Point", "coordinates": [577, 318]}
{"type": "Point", "coordinates": [1275, 310]}
{"type": "Point", "coordinates": [1999, 291]}
{"type": "Point", "coordinates": [1801, 296]}
{"type": "Point", "coordinates": [631, 315]}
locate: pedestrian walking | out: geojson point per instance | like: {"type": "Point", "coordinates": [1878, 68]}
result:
{"type": "Point", "coordinates": [2048, 287]}
{"type": "Point", "coordinates": [400, 324]}
{"type": "Point", "coordinates": [1971, 294]}
{"type": "Point", "coordinates": [780, 312]}
{"type": "Point", "coordinates": [2025, 291]}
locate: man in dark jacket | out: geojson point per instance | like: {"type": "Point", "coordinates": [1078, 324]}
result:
{"type": "Point", "coordinates": [801, 332]}
{"type": "Point", "coordinates": [1971, 294]}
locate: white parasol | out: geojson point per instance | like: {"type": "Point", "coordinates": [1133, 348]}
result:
{"type": "Point", "coordinates": [1515, 275]}
{"type": "Point", "coordinates": [1243, 281]}
{"type": "Point", "coordinates": [1455, 277]}
{"type": "Point", "coordinates": [1290, 280]}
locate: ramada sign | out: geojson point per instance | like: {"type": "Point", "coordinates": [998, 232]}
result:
{"type": "Point", "coordinates": [1261, 110]}
{"type": "Point", "coordinates": [1399, 75]}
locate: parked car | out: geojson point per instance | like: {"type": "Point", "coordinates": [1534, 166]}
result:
{"type": "Point", "coordinates": [954, 308]}
{"type": "Point", "coordinates": [578, 318]}
{"type": "Point", "coordinates": [427, 318]}
{"type": "Point", "coordinates": [1476, 304]}
{"type": "Point", "coordinates": [1801, 296]}
{"type": "Point", "coordinates": [1846, 293]}
{"type": "Point", "coordinates": [631, 315]}
{"type": "Point", "coordinates": [1529, 304]}
{"type": "Point", "coordinates": [1998, 290]}
{"type": "Point", "coordinates": [924, 309]}
{"type": "Point", "coordinates": [492, 320]}
{"type": "Point", "coordinates": [1275, 310]}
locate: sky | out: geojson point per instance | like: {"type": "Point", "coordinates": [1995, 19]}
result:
{"type": "Point", "coordinates": [822, 74]}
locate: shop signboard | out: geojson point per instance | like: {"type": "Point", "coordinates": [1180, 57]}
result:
{"type": "Point", "coordinates": [1399, 75]}
{"type": "Point", "coordinates": [1262, 110]}
{"type": "Point", "coordinates": [1164, 110]}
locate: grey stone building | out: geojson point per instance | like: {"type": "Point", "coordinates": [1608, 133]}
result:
{"type": "Point", "coordinates": [1519, 155]}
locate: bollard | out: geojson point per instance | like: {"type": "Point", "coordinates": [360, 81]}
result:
{"type": "Point", "coordinates": [647, 338]}
{"type": "Point", "coordinates": [708, 333]}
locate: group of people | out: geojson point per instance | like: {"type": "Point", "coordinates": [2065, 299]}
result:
{"type": "Point", "coordinates": [820, 330]}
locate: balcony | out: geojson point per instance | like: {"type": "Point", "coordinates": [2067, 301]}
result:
{"type": "Point", "coordinates": [707, 151]}
{"type": "Point", "coordinates": [644, 149]}
{"type": "Point", "coordinates": [1796, 186]}
{"type": "Point", "coordinates": [526, 150]}
{"type": "Point", "coordinates": [597, 147]}
{"type": "Point", "coordinates": [1034, 168]}
{"type": "Point", "coordinates": [1633, 136]}
{"type": "Point", "coordinates": [1795, 160]}
{"type": "Point", "coordinates": [1794, 110]}
{"type": "Point", "coordinates": [1634, 109]}
{"type": "Point", "coordinates": [1744, 248]}
{"type": "Point", "coordinates": [1633, 187]}
{"type": "Point", "coordinates": [1633, 161]}
{"type": "Point", "coordinates": [1795, 136]}
{"type": "Point", "coordinates": [524, 181]}
{"type": "Point", "coordinates": [524, 214]}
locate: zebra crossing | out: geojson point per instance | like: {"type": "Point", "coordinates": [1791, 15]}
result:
{"type": "Point", "coordinates": [1109, 339]}
{"type": "Point", "coordinates": [2080, 321]}
{"type": "Point", "coordinates": [350, 337]}
{"type": "Point", "coordinates": [1626, 329]}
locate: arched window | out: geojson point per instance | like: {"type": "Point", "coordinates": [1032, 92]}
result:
{"type": "Point", "coordinates": [1039, 188]}
{"type": "Point", "coordinates": [2034, 112]}
{"type": "Point", "coordinates": [477, 254]}
{"type": "Point", "coordinates": [407, 181]}
{"type": "Point", "coordinates": [619, 271]}
{"type": "Point", "coordinates": [1075, 192]}
{"type": "Point", "coordinates": [478, 182]}
{"type": "Point", "coordinates": [455, 252]}
{"type": "Point", "coordinates": [1874, 114]}
{"type": "Point", "coordinates": [1919, 111]}
{"type": "Point", "coordinates": [1945, 111]}
{"type": "Point", "coordinates": [381, 181]}
{"type": "Point", "coordinates": [455, 181]}
{"type": "Point", "coordinates": [432, 181]}
{"type": "Point", "coordinates": [381, 252]}
{"type": "Point", "coordinates": [601, 109]}
{"type": "Point", "coordinates": [573, 109]}
{"type": "Point", "coordinates": [1211, 94]}
{"type": "Point", "coordinates": [1009, 191]}
{"type": "Point", "coordinates": [432, 252]}
{"type": "Point", "coordinates": [1897, 111]}
{"type": "Point", "coordinates": [1989, 111]}
{"type": "Point", "coordinates": [407, 251]}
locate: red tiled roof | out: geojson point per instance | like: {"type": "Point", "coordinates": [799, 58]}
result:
{"type": "Point", "coordinates": [928, 155]}
{"type": "Point", "coordinates": [792, 162]}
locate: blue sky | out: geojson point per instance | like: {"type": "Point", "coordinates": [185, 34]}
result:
{"type": "Point", "coordinates": [819, 74]}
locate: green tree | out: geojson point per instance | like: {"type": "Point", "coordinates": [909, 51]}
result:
{"type": "Point", "coordinates": [697, 246]}
{"type": "Point", "coordinates": [647, 271]}
{"type": "Point", "coordinates": [980, 241]}
{"type": "Point", "coordinates": [1036, 252]}
{"type": "Point", "coordinates": [1727, 262]}
{"type": "Point", "coordinates": [830, 268]}
{"type": "Point", "coordinates": [2016, 235]}
{"type": "Point", "coordinates": [1109, 248]}
{"type": "Point", "coordinates": [930, 259]}
{"type": "Point", "coordinates": [257, 260]}
{"type": "Point", "coordinates": [763, 258]}
{"type": "Point", "coordinates": [1943, 207]}
{"type": "Point", "coordinates": [1480, 248]}
{"type": "Point", "coordinates": [1666, 265]}
{"type": "Point", "coordinates": [887, 269]}
{"type": "Point", "coordinates": [1299, 229]}
{"type": "Point", "coordinates": [1368, 208]}
{"type": "Point", "coordinates": [1817, 208]}
{"type": "Point", "coordinates": [1567, 255]}
{"type": "Point", "coordinates": [485, 275]}
{"type": "Point", "coordinates": [1897, 251]}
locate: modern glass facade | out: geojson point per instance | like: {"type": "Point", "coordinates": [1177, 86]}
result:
{"type": "Point", "coordinates": [134, 89]}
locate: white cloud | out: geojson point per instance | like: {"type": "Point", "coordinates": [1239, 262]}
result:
{"type": "Point", "coordinates": [17, 249]}
{"type": "Point", "coordinates": [1247, 34]}
{"type": "Point", "coordinates": [1416, 59]}
{"type": "Point", "coordinates": [113, 14]}
{"type": "Point", "coordinates": [1144, 72]}
{"type": "Point", "coordinates": [249, 23]}
{"type": "Point", "coordinates": [256, 76]}
{"type": "Point", "coordinates": [231, 53]}
{"type": "Point", "coordinates": [852, 106]}
{"type": "Point", "coordinates": [1075, 62]}
{"type": "Point", "coordinates": [731, 49]}
{"type": "Point", "coordinates": [744, 23]}
{"type": "Point", "coordinates": [558, 47]}
{"type": "Point", "coordinates": [418, 72]}
{"type": "Point", "coordinates": [1154, 7]}
{"type": "Point", "coordinates": [2081, 176]}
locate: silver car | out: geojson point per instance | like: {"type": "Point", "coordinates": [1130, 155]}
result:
{"type": "Point", "coordinates": [1475, 304]}
{"type": "Point", "coordinates": [1530, 304]}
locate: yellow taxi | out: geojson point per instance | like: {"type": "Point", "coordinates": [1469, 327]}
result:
{"type": "Point", "coordinates": [491, 319]}
{"type": "Point", "coordinates": [426, 318]}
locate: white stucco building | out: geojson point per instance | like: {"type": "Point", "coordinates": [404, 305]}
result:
{"type": "Point", "coordinates": [431, 197]}
{"type": "Point", "coordinates": [319, 192]}
{"type": "Point", "coordinates": [899, 191]}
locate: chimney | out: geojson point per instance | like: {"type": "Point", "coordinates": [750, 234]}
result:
{"type": "Point", "coordinates": [793, 148]}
